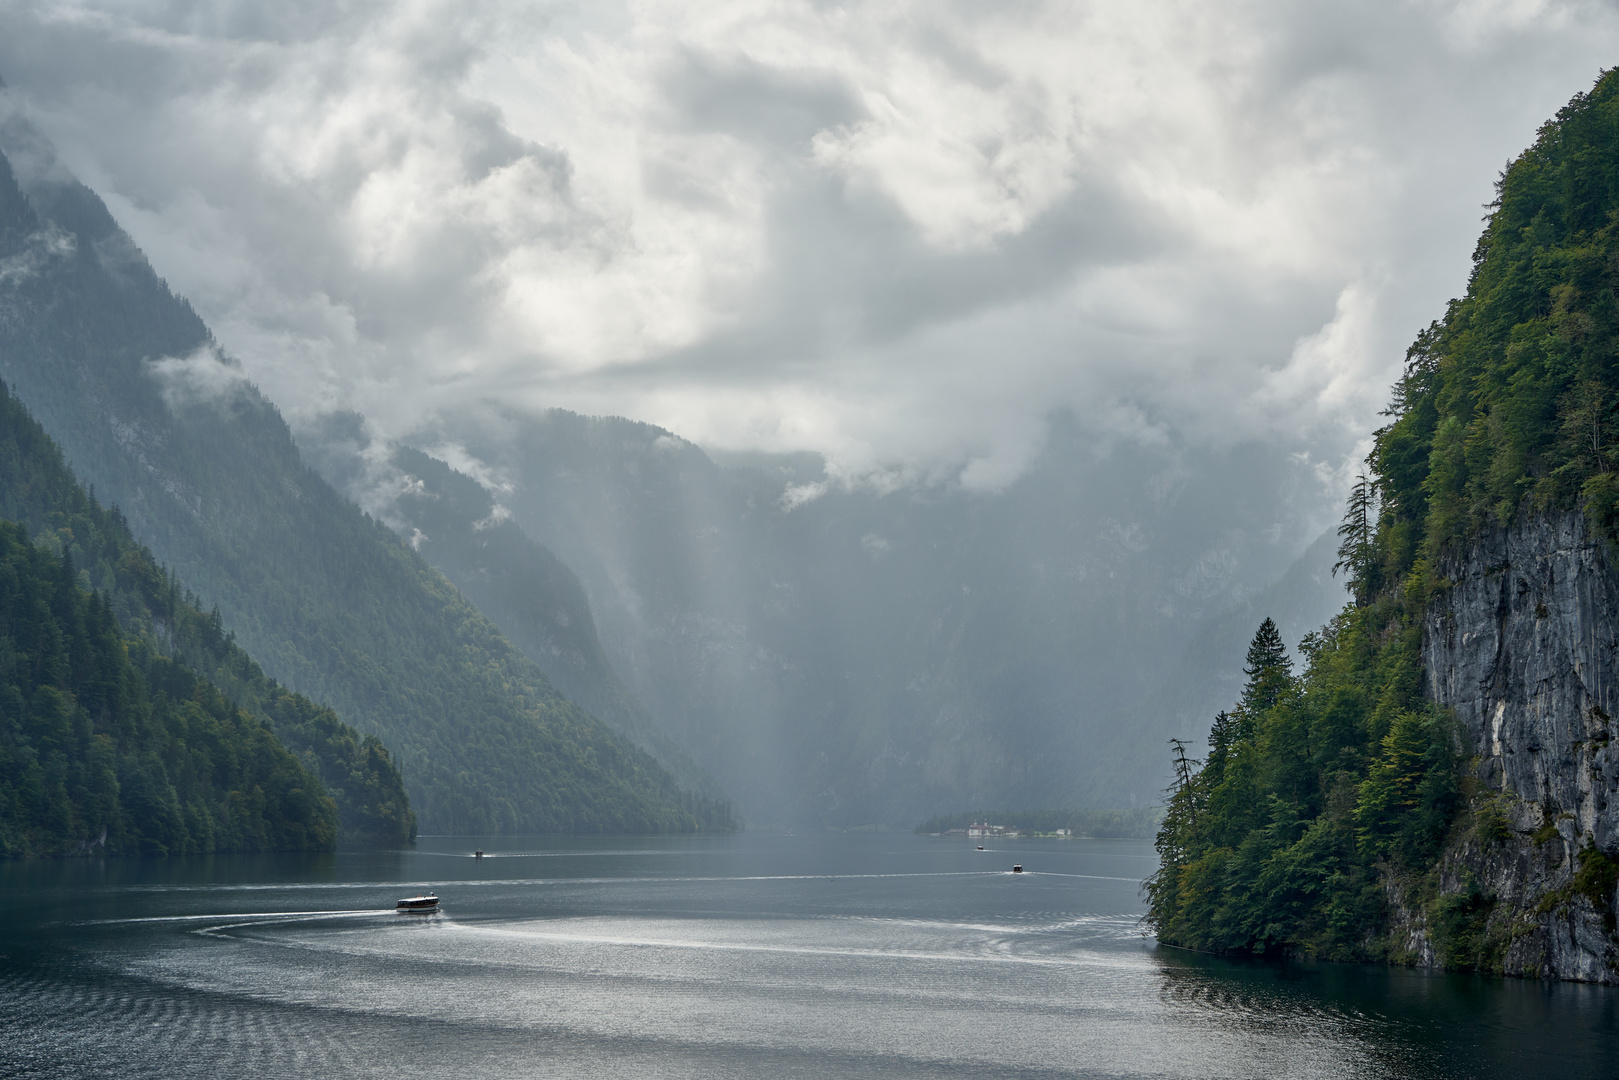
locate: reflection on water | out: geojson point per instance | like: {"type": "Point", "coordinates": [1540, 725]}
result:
{"type": "Point", "coordinates": [757, 955]}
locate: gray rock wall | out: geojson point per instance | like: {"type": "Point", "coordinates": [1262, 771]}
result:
{"type": "Point", "coordinates": [1524, 647]}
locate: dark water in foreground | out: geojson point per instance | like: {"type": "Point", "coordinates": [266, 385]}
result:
{"type": "Point", "coordinates": [749, 956]}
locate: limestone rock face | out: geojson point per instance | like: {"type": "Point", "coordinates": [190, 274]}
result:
{"type": "Point", "coordinates": [1524, 647]}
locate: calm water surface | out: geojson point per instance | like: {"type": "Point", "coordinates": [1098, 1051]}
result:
{"type": "Point", "coordinates": [751, 956]}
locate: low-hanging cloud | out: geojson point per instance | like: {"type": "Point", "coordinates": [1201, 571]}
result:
{"type": "Point", "coordinates": [38, 250]}
{"type": "Point", "coordinates": [900, 233]}
{"type": "Point", "coordinates": [202, 377]}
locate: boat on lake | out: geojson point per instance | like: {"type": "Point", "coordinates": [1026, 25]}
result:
{"type": "Point", "coordinates": [426, 902]}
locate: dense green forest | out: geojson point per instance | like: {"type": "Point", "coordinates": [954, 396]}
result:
{"type": "Point", "coordinates": [129, 382]}
{"type": "Point", "coordinates": [107, 745]}
{"type": "Point", "coordinates": [1139, 821]}
{"type": "Point", "coordinates": [1326, 791]}
{"type": "Point", "coordinates": [38, 490]}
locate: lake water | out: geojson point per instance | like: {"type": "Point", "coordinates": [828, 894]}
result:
{"type": "Point", "coordinates": [759, 955]}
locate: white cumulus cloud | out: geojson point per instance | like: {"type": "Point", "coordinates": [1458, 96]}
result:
{"type": "Point", "coordinates": [901, 232]}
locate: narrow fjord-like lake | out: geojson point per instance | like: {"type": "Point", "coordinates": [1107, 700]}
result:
{"type": "Point", "coordinates": [760, 955]}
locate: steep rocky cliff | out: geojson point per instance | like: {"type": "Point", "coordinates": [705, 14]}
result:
{"type": "Point", "coordinates": [1523, 646]}
{"type": "Point", "coordinates": [1435, 787]}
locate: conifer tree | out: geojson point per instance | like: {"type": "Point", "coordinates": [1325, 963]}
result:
{"type": "Point", "coordinates": [1269, 670]}
{"type": "Point", "coordinates": [1355, 548]}
{"type": "Point", "coordinates": [1223, 737]}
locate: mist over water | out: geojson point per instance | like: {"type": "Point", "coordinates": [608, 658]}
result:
{"type": "Point", "coordinates": [846, 655]}
{"type": "Point", "coordinates": [756, 955]}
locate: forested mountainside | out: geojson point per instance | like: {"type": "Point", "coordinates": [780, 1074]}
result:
{"type": "Point", "coordinates": [1438, 784]}
{"type": "Point", "coordinates": [128, 380]}
{"type": "Point", "coordinates": [107, 745]}
{"type": "Point", "coordinates": [39, 492]}
{"type": "Point", "coordinates": [535, 600]}
{"type": "Point", "coordinates": [855, 655]}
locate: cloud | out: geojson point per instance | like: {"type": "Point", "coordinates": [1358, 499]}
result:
{"type": "Point", "coordinates": [456, 456]}
{"type": "Point", "coordinates": [796, 495]}
{"type": "Point", "coordinates": [205, 377]}
{"type": "Point", "coordinates": [900, 233]}
{"type": "Point", "coordinates": [38, 249]}
{"type": "Point", "coordinates": [497, 514]}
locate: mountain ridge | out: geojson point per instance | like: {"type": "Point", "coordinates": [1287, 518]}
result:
{"type": "Point", "coordinates": [40, 493]}
{"type": "Point", "coordinates": [128, 380]}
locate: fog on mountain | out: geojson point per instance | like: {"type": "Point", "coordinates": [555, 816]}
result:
{"type": "Point", "coordinates": [862, 657]}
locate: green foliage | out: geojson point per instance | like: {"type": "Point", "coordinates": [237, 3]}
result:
{"type": "Point", "coordinates": [105, 744]}
{"type": "Point", "coordinates": [1356, 547]}
{"type": "Point", "coordinates": [38, 489]}
{"type": "Point", "coordinates": [1269, 670]}
{"type": "Point", "coordinates": [1313, 784]}
{"type": "Point", "coordinates": [1512, 400]}
{"type": "Point", "coordinates": [1491, 824]}
{"type": "Point", "coordinates": [1596, 878]}
{"type": "Point", "coordinates": [1324, 792]}
{"type": "Point", "coordinates": [1459, 926]}
{"type": "Point", "coordinates": [1411, 792]}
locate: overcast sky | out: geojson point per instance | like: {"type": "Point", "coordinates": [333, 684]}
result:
{"type": "Point", "coordinates": [900, 233]}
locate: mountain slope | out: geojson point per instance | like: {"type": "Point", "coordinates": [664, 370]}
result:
{"type": "Point", "coordinates": [38, 490]}
{"type": "Point", "coordinates": [538, 603]}
{"type": "Point", "coordinates": [107, 745]}
{"type": "Point", "coordinates": [127, 379]}
{"type": "Point", "coordinates": [851, 655]}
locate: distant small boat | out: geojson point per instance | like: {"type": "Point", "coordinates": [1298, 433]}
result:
{"type": "Point", "coordinates": [980, 847]}
{"type": "Point", "coordinates": [478, 854]}
{"type": "Point", "coordinates": [418, 903]}
{"type": "Point", "coordinates": [1017, 868]}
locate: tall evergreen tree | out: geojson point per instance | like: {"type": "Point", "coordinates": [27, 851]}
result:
{"type": "Point", "coordinates": [1269, 670]}
{"type": "Point", "coordinates": [1223, 735]}
{"type": "Point", "coordinates": [1355, 548]}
